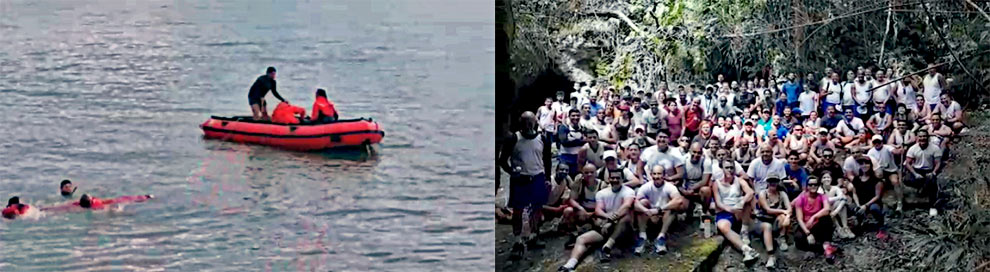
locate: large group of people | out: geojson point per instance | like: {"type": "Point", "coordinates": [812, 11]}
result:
{"type": "Point", "coordinates": [793, 161]}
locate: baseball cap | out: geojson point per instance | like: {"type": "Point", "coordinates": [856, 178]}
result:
{"type": "Point", "coordinates": [876, 138]}
{"type": "Point", "coordinates": [822, 130]}
{"type": "Point", "coordinates": [639, 127]}
{"type": "Point", "coordinates": [609, 154]}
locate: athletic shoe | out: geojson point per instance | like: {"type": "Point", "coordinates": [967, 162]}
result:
{"type": "Point", "coordinates": [932, 212]}
{"type": "Point", "coordinates": [830, 251]}
{"type": "Point", "coordinates": [749, 254]}
{"type": "Point", "coordinates": [606, 255]}
{"type": "Point", "coordinates": [882, 235]}
{"type": "Point", "coordinates": [782, 244]}
{"type": "Point", "coordinates": [640, 246]}
{"type": "Point", "coordinates": [518, 249]}
{"type": "Point", "coordinates": [564, 269]}
{"type": "Point", "coordinates": [771, 261]}
{"type": "Point", "coordinates": [661, 245]}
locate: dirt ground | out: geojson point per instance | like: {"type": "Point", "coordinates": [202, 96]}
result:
{"type": "Point", "coordinates": [859, 254]}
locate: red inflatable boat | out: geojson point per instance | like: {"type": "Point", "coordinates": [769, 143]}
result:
{"type": "Point", "coordinates": [244, 129]}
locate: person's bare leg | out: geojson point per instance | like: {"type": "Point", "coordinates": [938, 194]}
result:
{"type": "Point", "coordinates": [767, 236]}
{"type": "Point", "coordinates": [619, 230]}
{"type": "Point", "coordinates": [668, 217]}
{"type": "Point", "coordinates": [785, 224]}
{"type": "Point", "coordinates": [264, 111]}
{"type": "Point", "coordinates": [898, 190]}
{"type": "Point", "coordinates": [581, 246]}
{"type": "Point", "coordinates": [726, 229]}
{"type": "Point", "coordinates": [706, 196]}
{"type": "Point", "coordinates": [255, 112]}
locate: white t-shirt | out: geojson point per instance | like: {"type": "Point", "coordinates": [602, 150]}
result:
{"type": "Point", "coordinates": [694, 172]}
{"type": "Point", "coordinates": [907, 96]}
{"type": "Point", "coordinates": [670, 160]}
{"type": "Point", "coordinates": [612, 200]}
{"type": "Point", "coordinates": [850, 165]}
{"type": "Point", "coordinates": [881, 94]}
{"type": "Point", "coordinates": [924, 158]}
{"type": "Point", "coordinates": [847, 97]}
{"type": "Point", "coordinates": [851, 128]}
{"type": "Point", "coordinates": [658, 197]}
{"type": "Point", "coordinates": [884, 158]}
{"type": "Point", "coordinates": [833, 92]}
{"type": "Point", "coordinates": [951, 111]}
{"type": "Point", "coordinates": [807, 102]}
{"type": "Point", "coordinates": [863, 94]}
{"type": "Point", "coordinates": [932, 88]}
{"type": "Point", "coordinates": [759, 171]}
{"type": "Point", "coordinates": [546, 119]}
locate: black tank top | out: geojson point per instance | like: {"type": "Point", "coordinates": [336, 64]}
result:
{"type": "Point", "coordinates": [866, 189]}
{"type": "Point", "coordinates": [623, 130]}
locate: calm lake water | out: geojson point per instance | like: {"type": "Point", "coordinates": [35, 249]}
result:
{"type": "Point", "coordinates": [110, 94]}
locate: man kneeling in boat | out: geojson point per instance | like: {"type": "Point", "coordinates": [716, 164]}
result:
{"type": "Point", "coordinates": [286, 113]}
{"type": "Point", "coordinates": [323, 110]}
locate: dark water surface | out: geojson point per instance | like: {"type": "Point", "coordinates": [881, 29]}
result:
{"type": "Point", "coordinates": [110, 94]}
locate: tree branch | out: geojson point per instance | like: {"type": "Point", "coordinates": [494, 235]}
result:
{"type": "Point", "coordinates": [955, 56]}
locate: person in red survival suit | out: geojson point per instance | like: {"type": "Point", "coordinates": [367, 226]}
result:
{"type": "Point", "coordinates": [288, 114]}
{"type": "Point", "coordinates": [323, 109]}
{"type": "Point", "coordinates": [15, 208]}
{"type": "Point", "coordinates": [90, 202]}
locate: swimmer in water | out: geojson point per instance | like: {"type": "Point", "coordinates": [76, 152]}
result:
{"type": "Point", "coordinates": [15, 208]}
{"type": "Point", "coordinates": [90, 202]}
{"type": "Point", "coordinates": [67, 188]}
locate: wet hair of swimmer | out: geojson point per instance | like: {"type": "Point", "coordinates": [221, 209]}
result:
{"type": "Point", "coordinates": [61, 188]}
{"type": "Point", "coordinates": [13, 201]}
{"type": "Point", "coordinates": [85, 201]}
{"type": "Point", "coordinates": [321, 93]}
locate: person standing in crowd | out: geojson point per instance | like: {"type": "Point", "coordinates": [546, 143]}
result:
{"type": "Point", "coordinates": [526, 157]}
{"type": "Point", "coordinates": [571, 139]}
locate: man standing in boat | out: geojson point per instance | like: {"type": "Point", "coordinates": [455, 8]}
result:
{"type": "Point", "coordinates": [260, 88]}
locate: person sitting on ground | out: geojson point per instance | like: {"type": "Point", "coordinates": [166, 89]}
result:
{"type": "Point", "coordinates": [256, 95]}
{"type": "Point", "coordinates": [815, 233]}
{"type": "Point", "coordinates": [581, 202]}
{"type": "Point", "coordinates": [849, 127]}
{"type": "Point", "coordinates": [797, 175]}
{"type": "Point", "coordinates": [66, 188]}
{"type": "Point", "coordinates": [612, 210]}
{"type": "Point", "coordinates": [868, 195]}
{"type": "Point", "coordinates": [592, 150]}
{"type": "Point", "coordinates": [838, 198]}
{"type": "Point", "coordinates": [883, 155]}
{"type": "Point", "coordinates": [952, 112]}
{"type": "Point", "coordinates": [15, 208]}
{"type": "Point", "coordinates": [939, 133]}
{"type": "Point", "coordinates": [923, 164]}
{"type": "Point", "coordinates": [774, 214]}
{"type": "Point", "coordinates": [901, 139]}
{"type": "Point", "coordinates": [323, 109]}
{"type": "Point", "coordinates": [655, 201]}
{"type": "Point", "coordinates": [732, 196]}
{"type": "Point", "coordinates": [558, 201]}
{"type": "Point", "coordinates": [286, 113]}
{"type": "Point", "coordinates": [697, 177]}
{"type": "Point", "coordinates": [817, 148]}
{"type": "Point", "coordinates": [612, 165]}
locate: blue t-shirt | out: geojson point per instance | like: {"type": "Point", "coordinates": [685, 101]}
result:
{"type": "Point", "coordinates": [801, 175]}
{"type": "Point", "coordinates": [782, 132]}
{"type": "Point", "coordinates": [780, 105]}
{"type": "Point", "coordinates": [792, 89]}
{"type": "Point", "coordinates": [595, 107]}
